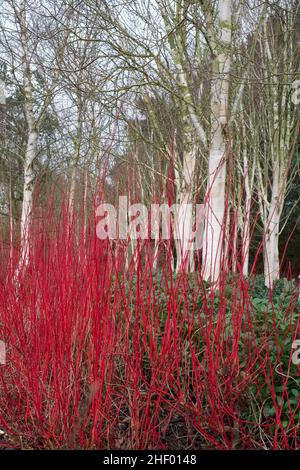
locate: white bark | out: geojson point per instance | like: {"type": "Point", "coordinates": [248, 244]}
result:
{"type": "Point", "coordinates": [27, 196]}
{"type": "Point", "coordinates": [215, 197]}
{"type": "Point", "coordinates": [183, 229]}
{"type": "Point", "coordinates": [271, 250]}
{"type": "Point", "coordinates": [184, 216]}
{"type": "Point", "coordinates": [246, 235]}
{"type": "Point", "coordinates": [282, 129]}
{"type": "Point", "coordinates": [271, 254]}
{"type": "Point", "coordinates": [245, 217]}
{"type": "Point", "coordinates": [31, 149]}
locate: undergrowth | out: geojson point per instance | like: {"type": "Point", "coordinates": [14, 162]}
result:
{"type": "Point", "coordinates": [100, 356]}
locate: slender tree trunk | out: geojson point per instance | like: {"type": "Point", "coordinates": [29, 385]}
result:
{"type": "Point", "coordinates": [215, 197]}
{"type": "Point", "coordinates": [235, 247]}
{"type": "Point", "coordinates": [27, 204]}
{"type": "Point", "coordinates": [271, 256]}
{"type": "Point", "coordinates": [74, 177]}
{"type": "Point", "coordinates": [271, 250]}
{"type": "Point", "coordinates": [247, 212]}
{"type": "Point", "coordinates": [85, 204]}
{"type": "Point", "coordinates": [11, 222]}
{"type": "Point", "coordinates": [246, 238]}
{"type": "Point", "coordinates": [184, 215]}
{"type": "Point", "coordinates": [31, 148]}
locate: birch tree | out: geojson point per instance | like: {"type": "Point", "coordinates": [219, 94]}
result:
{"type": "Point", "coordinates": [276, 125]}
{"type": "Point", "coordinates": [32, 123]}
{"type": "Point", "coordinates": [220, 40]}
{"type": "Point", "coordinates": [22, 39]}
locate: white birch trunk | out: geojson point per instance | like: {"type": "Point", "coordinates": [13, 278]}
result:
{"type": "Point", "coordinates": [271, 255]}
{"type": "Point", "coordinates": [215, 198]}
{"type": "Point", "coordinates": [271, 250]}
{"type": "Point", "coordinates": [31, 148]}
{"type": "Point", "coordinates": [247, 212]}
{"type": "Point", "coordinates": [184, 216]}
{"type": "Point", "coordinates": [282, 122]}
{"type": "Point", "coordinates": [27, 204]}
{"type": "Point", "coordinates": [246, 237]}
